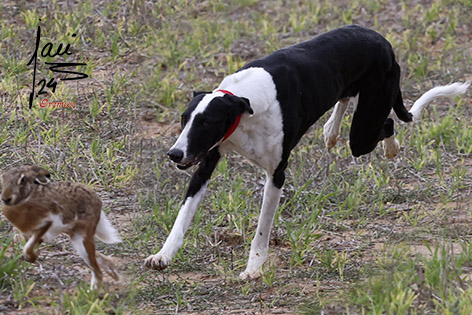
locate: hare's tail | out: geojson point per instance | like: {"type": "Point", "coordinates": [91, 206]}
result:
{"type": "Point", "coordinates": [105, 231]}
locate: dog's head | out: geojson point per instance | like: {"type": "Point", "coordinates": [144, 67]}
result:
{"type": "Point", "coordinates": [204, 124]}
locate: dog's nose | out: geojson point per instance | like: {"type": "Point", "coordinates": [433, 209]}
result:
{"type": "Point", "coordinates": [175, 155]}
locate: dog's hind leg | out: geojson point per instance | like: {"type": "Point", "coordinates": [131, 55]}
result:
{"type": "Point", "coordinates": [369, 123]}
{"type": "Point", "coordinates": [332, 127]}
{"type": "Point", "coordinates": [260, 242]}
{"type": "Point", "coordinates": [194, 196]}
{"type": "Point", "coordinates": [390, 145]}
{"type": "Point", "coordinates": [367, 127]}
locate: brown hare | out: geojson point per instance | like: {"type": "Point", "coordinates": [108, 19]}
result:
{"type": "Point", "coordinates": [42, 209]}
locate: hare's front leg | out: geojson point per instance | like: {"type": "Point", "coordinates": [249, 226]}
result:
{"type": "Point", "coordinates": [34, 240]}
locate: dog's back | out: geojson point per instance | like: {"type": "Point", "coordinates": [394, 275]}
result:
{"type": "Point", "coordinates": [312, 76]}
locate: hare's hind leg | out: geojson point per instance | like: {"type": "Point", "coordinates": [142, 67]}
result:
{"type": "Point", "coordinates": [85, 247]}
{"type": "Point", "coordinates": [107, 265]}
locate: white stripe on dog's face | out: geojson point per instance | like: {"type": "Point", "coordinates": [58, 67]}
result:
{"type": "Point", "coordinates": [182, 142]}
{"type": "Point", "coordinates": [189, 117]}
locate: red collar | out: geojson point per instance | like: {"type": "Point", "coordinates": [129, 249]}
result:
{"type": "Point", "coordinates": [225, 92]}
{"type": "Point", "coordinates": [233, 126]}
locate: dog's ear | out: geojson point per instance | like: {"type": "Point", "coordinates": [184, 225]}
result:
{"type": "Point", "coordinates": [242, 103]}
{"type": "Point", "coordinates": [246, 105]}
{"type": "Point", "coordinates": [196, 93]}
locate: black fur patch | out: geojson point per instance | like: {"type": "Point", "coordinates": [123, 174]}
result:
{"type": "Point", "coordinates": [312, 76]}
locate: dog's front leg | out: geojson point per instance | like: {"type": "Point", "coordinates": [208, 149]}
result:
{"type": "Point", "coordinates": [194, 196]}
{"type": "Point", "coordinates": [260, 242]}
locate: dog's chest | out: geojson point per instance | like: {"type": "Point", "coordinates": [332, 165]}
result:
{"type": "Point", "coordinates": [259, 139]}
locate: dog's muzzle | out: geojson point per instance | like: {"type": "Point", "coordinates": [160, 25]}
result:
{"type": "Point", "coordinates": [175, 155]}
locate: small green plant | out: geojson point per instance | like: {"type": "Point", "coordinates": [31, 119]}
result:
{"type": "Point", "coordinates": [10, 265]}
{"type": "Point", "coordinates": [397, 286]}
{"type": "Point", "coordinates": [95, 108]}
{"type": "Point", "coordinates": [21, 289]}
{"type": "Point", "coordinates": [341, 259]}
{"type": "Point", "coordinates": [84, 301]}
{"type": "Point", "coordinates": [269, 274]}
{"type": "Point", "coordinates": [12, 277]}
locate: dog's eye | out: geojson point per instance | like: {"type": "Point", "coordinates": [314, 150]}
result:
{"type": "Point", "coordinates": [205, 122]}
{"type": "Point", "coordinates": [183, 120]}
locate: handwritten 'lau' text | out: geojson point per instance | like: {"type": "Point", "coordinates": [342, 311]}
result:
{"type": "Point", "coordinates": [56, 67]}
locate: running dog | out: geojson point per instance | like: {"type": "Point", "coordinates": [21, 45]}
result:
{"type": "Point", "coordinates": [263, 110]}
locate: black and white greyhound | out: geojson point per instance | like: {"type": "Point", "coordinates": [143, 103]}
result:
{"type": "Point", "coordinates": [263, 110]}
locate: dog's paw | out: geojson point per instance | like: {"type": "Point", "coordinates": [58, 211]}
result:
{"type": "Point", "coordinates": [257, 257]}
{"type": "Point", "coordinates": [157, 261]}
{"type": "Point", "coordinates": [250, 274]}
{"type": "Point", "coordinates": [391, 147]}
{"type": "Point", "coordinates": [329, 135]}
{"type": "Point", "coordinates": [330, 140]}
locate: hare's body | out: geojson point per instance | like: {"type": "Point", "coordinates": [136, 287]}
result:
{"type": "Point", "coordinates": [42, 210]}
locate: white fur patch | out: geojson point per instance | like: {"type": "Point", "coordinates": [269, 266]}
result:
{"type": "Point", "coordinates": [391, 147]}
{"type": "Point", "coordinates": [77, 242]}
{"type": "Point", "coordinates": [446, 90]}
{"type": "Point", "coordinates": [259, 137]}
{"type": "Point", "coordinates": [332, 128]}
{"type": "Point", "coordinates": [28, 244]}
{"type": "Point", "coordinates": [56, 228]}
{"type": "Point", "coordinates": [105, 231]}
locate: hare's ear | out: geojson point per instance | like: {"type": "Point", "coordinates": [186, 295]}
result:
{"type": "Point", "coordinates": [42, 175]}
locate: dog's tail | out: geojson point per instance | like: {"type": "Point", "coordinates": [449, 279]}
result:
{"type": "Point", "coordinates": [445, 90]}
